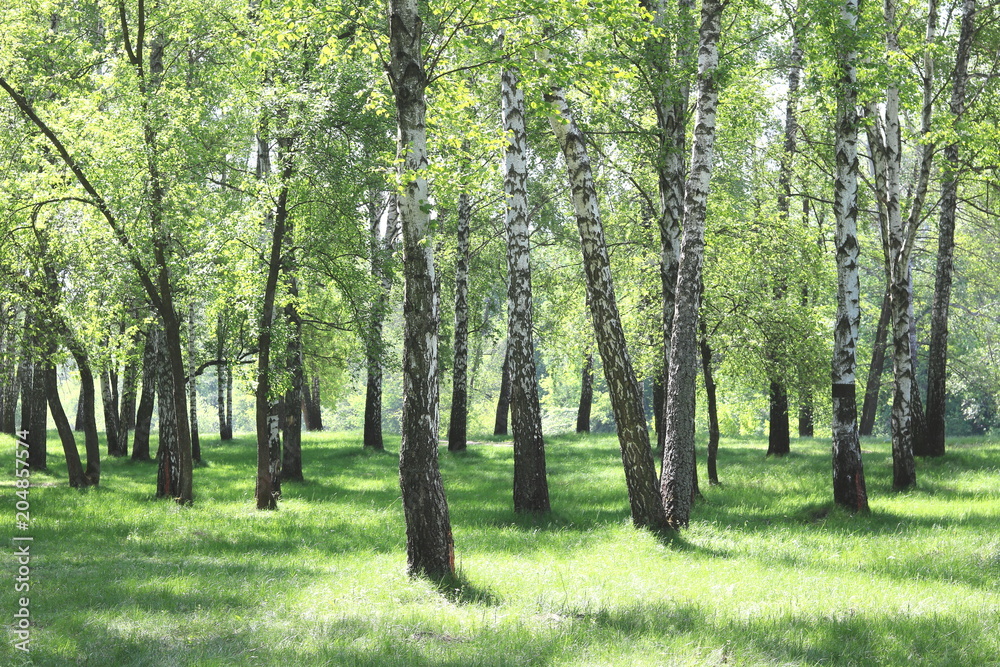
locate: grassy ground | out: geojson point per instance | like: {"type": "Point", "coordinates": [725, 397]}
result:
{"type": "Point", "coordinates": [768, 573]}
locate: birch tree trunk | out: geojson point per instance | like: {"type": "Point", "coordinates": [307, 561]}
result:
{"type": "Point", "coordinates": [168, 474]}
{"type": "Point", "coordinates": [429, 545]}
{"type": "Point", "coordinates": [779, 432]}
{"type": "Point", "coordinates": [937, 367]}
{"type": "Point", "coordinates": [503, 397]}
{"type": "Point", "coordinates": [192, 387]}
{"type": "Point", "coordinates": [848, 471]}
{"type": "Point", "coordinates": [291, 413]}
{"type": "Point", "coordinates": [531, 490]}
{"type": "Point", "coordinates": [458, 421]}
{"type": "Point", "coordinates": [74, 467]}
{"type": "Point", "coordinates": [677, 478]}
{"type": "Point", "coordinates": [109, 400]}
{"type": "Point", "coordinates": [144, 412]}
{"type": "Point", "coordinates": [586, 395]}
{"type": "Point", "coordinates": [713, 410]}
{"type": "Point", "coordinates": [626, 397]}
{"type": "Point", "coordinates": [873, 386]}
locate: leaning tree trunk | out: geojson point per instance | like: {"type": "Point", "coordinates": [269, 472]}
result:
{"type": "Point", "coordinates": [586, 395]}
{"type": "Point", "coordinates": [623, 387]}
{"type": "Point", "coordinates": [848, 471]}
{"type": "Point", "coordinates": [429, 544]}
{"type": "Point", "coordinates": [92, 443]}
{"type": "Point", "coordinates": [937, 366]}
{"type": "Point", "coordinates": [531, 489]}
{"type": "Point", "coordinates": [144, 412]}
{"type": "Point", "coordinates": [459, 418]}
{"type": "Point", "coordinates": [74, 467]}
{"type": "Point", "coordinates": [869, 409]}
{"type": "Point", "coordinates": [503, 396]}
{"type": "Point", "coordinates": [677, 478]}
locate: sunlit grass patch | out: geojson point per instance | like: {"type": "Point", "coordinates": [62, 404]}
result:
{"type": "Point", "coordinates": [769, 573]}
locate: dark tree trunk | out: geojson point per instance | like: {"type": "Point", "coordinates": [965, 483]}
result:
{"type": "Point", "coordinates": [144, 412]}
{"type": "Point", "coordinates": [291, 425]}
{"type": "Point", "coordinates": [713, 408]}
{"type": "Point", "coordinates": [869, 408]}
{"type": "Point", "coordinates": [586, 396]}
{"type": "Point", "coordinates": [192, 387]}
{"type": "Point", "coordinates": [168, 473]}
{"type": "Point", "coordinates": [806, 425]}
{"type": "Point", "coordinates": [503, 399]}
{"type": "Point", "coordinates": [779, 437]}
{"type": "Point", "coordinates": [937, 365]}
{"type": "Point", "coordinates": [126, 419]}
{"type": "Point", "coordinates": [429, 545]}
{"type": "Point", "coordinates": [459, 418]}
{"type": "Point", "coordinates": [78, 421]}
{"type": "Point", "coordinates": [373, 403]}
{"type": "Point", "coordinates": [74, 467]}
{"type": "Point", "coordinates": [37, 419]}
{"type": "Point", "coordinates": [92, 443]}
{"type": "Point", "coordinates": [223, 379]}
{"type": "Point", "coordinates": [379, 250]}
{"type": "Point", "coordinates": [109, 396]}
{"type": "Point", "coordinates": [313, 407]}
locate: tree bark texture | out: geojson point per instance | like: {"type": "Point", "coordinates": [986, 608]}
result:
{"type": "Point", "coordinates": [429, 544]}
{"type": "Point", "coordinates": [168, 473]}
{"type": "Point", "coordinates": [531, 490]}
{"type": "Point", "coordinates": [937, 366]}
{"type": "Point", "coordinates": [380, 250]}
{"type": "Point", "coordinates": [459, 418]}
{"type": "Point", "coordinates": [144, 412]}
{"type": "Point", "coordinates": [586, 395]}
{"type": "Point", "coordinates": [126, 418]}
{"type": "Point", "coordinates": [313, 406]}
{"type": "Point", "coordinates": [849, 488]}
{"type": "Point", "coordinates": [779, 435]}
{"type": "Point", "coordinates": [677, 477]}
{"type": "Point", "coordinates": [623, 387]}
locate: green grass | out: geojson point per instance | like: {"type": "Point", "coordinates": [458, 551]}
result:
{"type": "Point", "coordinates": [768, 574]}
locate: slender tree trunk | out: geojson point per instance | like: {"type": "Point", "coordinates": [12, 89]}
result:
{"type": "Point", "coordinates": [109, 396]}
{"type": "Point", "coordinates": [223, 383]}
{"type": "Point", "coordinates": [503, 397]}
{"type": "Point", "coordinates": [779, 435]}
{"type": "Point", "coordinates": [73, 465]}
{"type": "Point", "coordinates": [37, 418]}
{"type": "Point", "coordinates": [919, 425]}
{"type": "Point", "coordinates": [586, 395]}
{"type": "Point", "coordinates": [375, 345]}
{"type": "Point", "coordinates": [670, 88]}
{"type": "Point", "coordinates": [192, 386]}
{"type": "Point", "coordinates": [126, 419]}
{"type": "Point", "coordinates": [458, 421]}
{"type": "Point", "coordinates": [144, 412]}
{"type": "Point", "coordinates": [291, 425]}
{"type": "Point", "coordinates": [429, 544]}
{"type": "Point", "coordinates": [78, 421]}
{"type": "Point", "coordinates": [531, 490]}
{"type": "Point", "coordinates": [713, 408]}
{"type": "Point", "coordinates": [937, 366]}
{"type": "Point", "coordinates": [869, 409]}
{"type": "Point", "coordinates": [314, 408]}
{"type": "Point", "coordinates": [626, 397]}
{"type": "Point", "coordinates": [677, 478]}
{"type": "Point", "coordinates": [849, 488]}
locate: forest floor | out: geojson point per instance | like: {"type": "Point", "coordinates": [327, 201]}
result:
{"type": "Point", "coordinates": [768, 573]}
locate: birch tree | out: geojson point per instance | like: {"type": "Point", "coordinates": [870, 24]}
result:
{"type": "Point", "coordinates": [677, 477]}
{"type": "Point", "coordinates": [429, 543]}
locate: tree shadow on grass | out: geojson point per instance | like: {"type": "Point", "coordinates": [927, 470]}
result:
{"type": "Point", "coordinates": [457, 589]}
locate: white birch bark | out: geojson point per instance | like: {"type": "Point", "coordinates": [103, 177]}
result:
{"type": "Point", "coordinates": [849, 488]}
{"type": "Point", "coordinates": [626, 398]}
{"type": "Point", "coordinates": [429, 545]}
{"type": "Point", "coordinates": [677, 477]}
{"type": "Point", "coordinates": [531, 492]}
